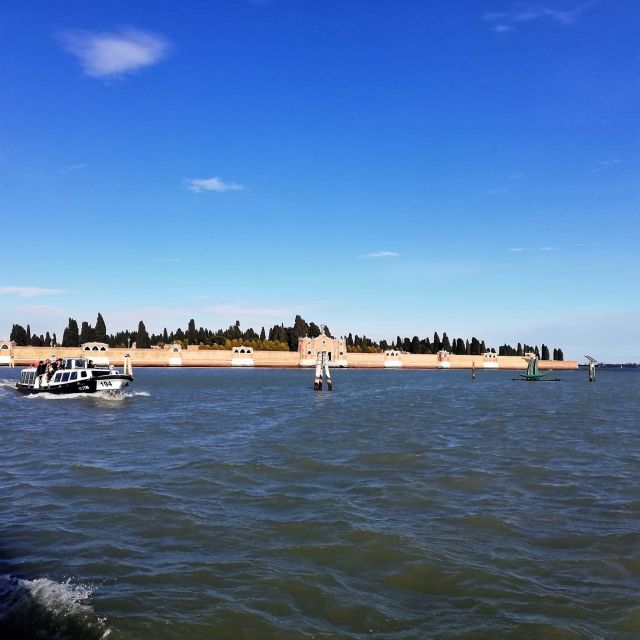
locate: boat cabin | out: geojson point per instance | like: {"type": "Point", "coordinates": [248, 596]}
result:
{"type": "Point", "coordinates": [66, 375]}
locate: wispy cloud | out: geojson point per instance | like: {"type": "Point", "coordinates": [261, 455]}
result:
{"type": "Point", "coordinates": [521, 249]}
{"type": "Point", "coordinates": [603, 165]}
{"type": "Point", "coordinates": [211, 184]}
{"type": "Point", "coordinates": [505, 21]}
{"type": "Point", "coordinates": [29, 292]}
{"type": "Point", "coordinates": [72, 167]}
{"type": "Point", "coordinates": [110, 54]}
{"type": "Point", "coordinates": [494, 192]}
{"type": "Point", "coordinates": [381, 254]}
{"type": "Point", "coordinates": [241, 310]}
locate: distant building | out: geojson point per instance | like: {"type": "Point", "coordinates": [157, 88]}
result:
{"type": "Point", "coordinates": [175, 354]}
{"type": "Point", "coordinates": [443, 359]}
{"type": "Point", "coordinates": [392, 359]}
{"type": "Point", "coordinates": [336, 349]}
{"type": "Point", "coordinates": [6, 353]}
{"type": "Point", "coordinates": [490, 360]}
{"type": "Point", "coordinates": [97, 351]}
{"type": "Point", "coordinates": [242, 356]}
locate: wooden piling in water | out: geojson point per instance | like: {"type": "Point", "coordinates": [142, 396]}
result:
{"type": "Point", "coordinates": [322, 369]}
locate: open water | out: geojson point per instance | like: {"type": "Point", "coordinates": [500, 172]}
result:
{"type": "Point", "coordinates": [240, 504]}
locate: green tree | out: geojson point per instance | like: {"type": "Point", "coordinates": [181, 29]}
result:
{"type": "Point", "coordinates": [263, 335]}
{"type": "Point", "coordinates": [192, 334]}
{"type": "Point", "coordinates": [86, 333]}
{"type": "Point", "coordinates": [18, 335]}
{"type": "Point", "coordinates": [142, 339]}
{"type": "Point", "coordinates": [100, 331]}
{"type": "Point", "coordinates": [314, 330]}
{"type": "Point", "coordinates": [544, 352]}
{"type": "Point", "coordinates": [71, 335]}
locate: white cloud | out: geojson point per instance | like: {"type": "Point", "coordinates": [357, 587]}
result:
{"type": "Point", "coordinates": [211, 184]}
{"type": "Point", "coordinates": [29, 292]}
{"type": "Point", "coordinates": [520, 249]}
{"type": "Point", "coordinates": [240, 310]}
{"type": "Point", "coordinates": [521, 13]}
{"type": "Point", "coordinates": [381, 254]}
{"type": "Point", "coordinates": [603, 165]}
{"type": "Point", "coordinates": [72, 167]}
{"type": "Point", "coordinates": [108, 54]}
{"type": "Point", "coordinates": [494, 192]}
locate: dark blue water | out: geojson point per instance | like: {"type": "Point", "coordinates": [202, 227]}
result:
{"type": "Point", "coordinates": [226, 504]}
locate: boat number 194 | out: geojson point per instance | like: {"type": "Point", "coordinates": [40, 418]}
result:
{"type": "Point", "coordinates": [106, 383]}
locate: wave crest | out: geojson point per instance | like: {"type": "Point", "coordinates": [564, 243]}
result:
{"type": "Point", "coordinates": [43, 608]}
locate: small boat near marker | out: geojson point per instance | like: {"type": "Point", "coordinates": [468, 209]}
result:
{"type": "Point", "coordinates": [533, 374]}
{"type": "Point", "coordinates": [77, 375]}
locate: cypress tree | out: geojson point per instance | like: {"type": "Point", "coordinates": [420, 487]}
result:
{"type": "Point", "coordinates": [71, 335]}
{"type": "Point", "coordinates": [47, 340]}
{"type": "Point", "coordinates": [18, 335]}
{"type": "Point", "coordinates": [446, 345]}
{"type": "Point", "coordinates": [28, 334]}
{"type": "Point", "coordinates": [560, 355]}
{"type": "Point", "coordinates": [86, 333]}
{"type": "Point", "coordinates": [437, 345]}
{"type": "Point", "coordinates": [263, 335]}
{"type": "Point", "coordinates": [415, 344]}
{"type": "Point", "coordinates": [191, 332]}
{"type": "Point", "coordinates": [544, 352]}
{"type": "Point", "coordinates": [519, 351]}
{"type": "Point", "coordinates": [142, 339]}
{"type": "Point", "coordinates": [100, 331]}
{"type": "Point", "coordinates": [314, 330]}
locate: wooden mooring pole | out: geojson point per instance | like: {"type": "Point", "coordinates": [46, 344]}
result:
{"type": "Point", "coordinates": [127, 369]}
{"type": "Point", "coordinates": [322, 368]}
{"type": "Point", "coordinates": [592, 368]}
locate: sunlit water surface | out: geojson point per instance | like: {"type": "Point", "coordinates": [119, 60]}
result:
{"type": "Point", "coordinates": [226, 504]}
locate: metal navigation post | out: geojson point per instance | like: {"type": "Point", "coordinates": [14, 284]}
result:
{"type": "Point", "coordinates": [322, 367]}
{"type": "Point", "coordinates": [592, 368]}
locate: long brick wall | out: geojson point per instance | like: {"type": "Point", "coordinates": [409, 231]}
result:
{"type": "Point", "coordinates": [194, 358]}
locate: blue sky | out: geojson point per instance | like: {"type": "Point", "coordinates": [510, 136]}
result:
{"type": "Point", "coordinates": [380, 167]}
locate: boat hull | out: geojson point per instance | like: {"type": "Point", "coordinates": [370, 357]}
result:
{"type": "Point", "coordinates": [115, 382]}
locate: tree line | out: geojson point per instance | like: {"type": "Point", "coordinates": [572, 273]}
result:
{"type": "Point", "coordinates": [278, 338]}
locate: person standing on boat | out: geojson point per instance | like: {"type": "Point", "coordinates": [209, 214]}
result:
{"type": "Point", "coordinates": [51, 368]}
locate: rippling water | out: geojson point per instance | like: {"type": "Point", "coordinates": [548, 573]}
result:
{"type": "Point", "coordinates": [227, 504]}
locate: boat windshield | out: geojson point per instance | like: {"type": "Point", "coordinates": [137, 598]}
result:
{"type": "Point", "coordinates": [75, 363]}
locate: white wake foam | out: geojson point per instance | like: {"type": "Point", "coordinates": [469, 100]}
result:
{"type": "Point", "coordinates": [98, 395]}
{"type": "Point", "coordinates": [49, 609]}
